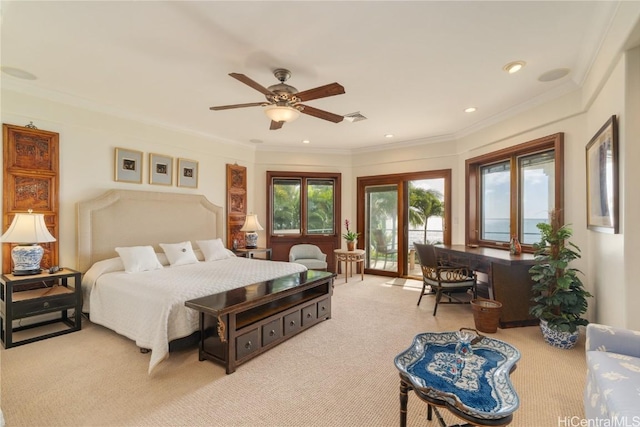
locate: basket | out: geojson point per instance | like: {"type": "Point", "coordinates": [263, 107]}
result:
{"type": "Point", "coordinates": [486, 314]}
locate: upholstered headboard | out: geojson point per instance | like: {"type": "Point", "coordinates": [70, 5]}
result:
{"type": "Point", "coordinates": [135, 218]}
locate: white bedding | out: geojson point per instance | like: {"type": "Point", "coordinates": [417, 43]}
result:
{"type": "Point", "coordinates": [148, 307]}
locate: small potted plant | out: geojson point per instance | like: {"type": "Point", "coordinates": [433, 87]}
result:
{"type": "Point", "coordinates": [559, 298]}
{"type": "Point", "coordinates": [350, 236]}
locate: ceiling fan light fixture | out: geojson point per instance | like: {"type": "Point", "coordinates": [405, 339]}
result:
{"type": "Point", "coordinates": [281, 113]}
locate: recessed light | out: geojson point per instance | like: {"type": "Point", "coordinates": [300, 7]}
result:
{"type": "Point", "coordinates": [470, 110]}
{"type": "Point", "coordinates": [514, 67]}
{"type": "Point", "coordinates": [305, 141]}
{"type": "Point", "coordinates": [389, 135]}
{"type": "Point", "coordinates": [17, 72]}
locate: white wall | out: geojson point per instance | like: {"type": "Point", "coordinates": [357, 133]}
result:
{"type": "Point", "coordinates": [630, 177]}
{"type": "Point", "coordinates": [606, 255]}
{"type": "Point", "coordinates": [87, 143]}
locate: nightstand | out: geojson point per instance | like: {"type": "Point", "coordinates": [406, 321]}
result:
{"type": "Point", "coordinates": [27, 296]}
{"type": "Point", "coordinates": [250, 253]}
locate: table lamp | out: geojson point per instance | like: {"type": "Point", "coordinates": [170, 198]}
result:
{"type": "Point", "coordinates": [251, 225]}
{"type": "Point", "coordinates": [27, 230]}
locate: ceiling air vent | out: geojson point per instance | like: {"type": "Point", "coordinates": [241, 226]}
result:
{"type": "Point", "coordinates": [354, 117]}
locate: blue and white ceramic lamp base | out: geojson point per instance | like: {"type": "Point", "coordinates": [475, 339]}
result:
{"type": "Point", "coordinates": [26, 259]}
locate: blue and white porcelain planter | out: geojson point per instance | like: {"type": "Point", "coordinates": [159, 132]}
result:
{"type": "Point", "coordinates": [559, 339]}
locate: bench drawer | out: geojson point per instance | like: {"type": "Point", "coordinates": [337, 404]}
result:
{"type": "Point", "coordinates": [292, 323]}
{"type": "Point", "coordinates": [271, 331]}
{"type": "Point", "coordinates": [309, 314]}
{"type": "Point", "coordinates": [247, 343]}
{"type": "Point", "coordinates": [324, 308]}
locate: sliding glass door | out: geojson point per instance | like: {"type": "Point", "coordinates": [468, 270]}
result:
{"type": "Point", "coordinates": [399, 210]}
{"type": "Point", "coordinates": [425, 209]}
{"type": "Point", "coordinates": [381, 205]}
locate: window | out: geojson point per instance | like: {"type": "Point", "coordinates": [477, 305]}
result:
{"type": "Point", "coordinates": [537, 190]}
{"type": "Point", "coordinates": [320, 216]}
{"type": "Point", "coordinates": [495, 200]}
{"type": "Point", "coordinates": [303, 207]}
{"type": "Point", "coordinates": [512, 190]}
{"type": "Point", "coordinates": [317, 198]}
{"type": "Point", "coordinates": [286, 206]}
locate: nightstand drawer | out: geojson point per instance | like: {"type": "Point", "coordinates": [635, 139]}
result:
{"type": "Point", "coordinates": [43, 305]}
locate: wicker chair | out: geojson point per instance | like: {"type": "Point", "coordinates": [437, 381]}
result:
{"type": "Point", "coordinates": [382, 247]}
{"type": "Point", "coordinates": [444, 280]}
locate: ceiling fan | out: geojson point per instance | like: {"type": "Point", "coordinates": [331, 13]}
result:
{"type": "Point", "coordinates": [284, 102]}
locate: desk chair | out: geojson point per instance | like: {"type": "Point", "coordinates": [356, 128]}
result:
{"type": "Point", "coordinates": [444, 280]}
{"type": "Point", "coordinates": [308, 255]}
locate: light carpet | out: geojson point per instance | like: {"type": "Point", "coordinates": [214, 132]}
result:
{"type": "Point", "coordinates": [338, 373]}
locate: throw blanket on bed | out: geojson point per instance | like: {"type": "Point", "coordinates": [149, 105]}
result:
{"type": "Point", "coordinates": [148, 307]}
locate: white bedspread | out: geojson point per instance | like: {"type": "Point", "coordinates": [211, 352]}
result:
{"type": "Point", "coordinates": [149, 308]}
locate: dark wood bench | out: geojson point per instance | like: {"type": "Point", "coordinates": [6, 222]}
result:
{"type": "Point", "coordinates": [239, 324]}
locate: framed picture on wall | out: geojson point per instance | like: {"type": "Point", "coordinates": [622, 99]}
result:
{"type": "Point", "coordinates": [187, 173]}
{"type": "Point", "coordinates": [160, 169]}
{"type": "Point", "coordinates": [602, 179]}
{"type": "Point", "coordinates": [128, 165]}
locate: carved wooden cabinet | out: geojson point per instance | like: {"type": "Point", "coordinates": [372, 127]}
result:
{"type": "Point", "coordinates": [236, 203]}
{"type": "Point", "coordinates": [31, 180]}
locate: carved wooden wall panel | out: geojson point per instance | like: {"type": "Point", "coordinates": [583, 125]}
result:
{"type": "Point", "coordinates": [236, 203]}
{"type": "Point", "coordinates": [30, 182]}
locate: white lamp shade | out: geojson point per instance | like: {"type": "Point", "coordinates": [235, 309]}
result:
{"type": "Point", "coordinates": [27, 228]}
{"type": "Point", "coordinates": [251, 223]}
{"type": "Point", "coordinates": [281, 113]}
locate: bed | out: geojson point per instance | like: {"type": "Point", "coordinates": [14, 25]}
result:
{"type": "Point", "coordinates": [133, 248]}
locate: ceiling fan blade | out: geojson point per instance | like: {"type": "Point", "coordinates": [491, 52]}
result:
{"type": "Point", "coordinates": [321, 114]}
{"type": "Point", "coordinates": [246, 80]}
{"type": "Point", "coordinates": [228, 107]}
{"type": "Point", "coordinates": [275, 125]}
{"type": "Point", "coordinates": [321, 92]}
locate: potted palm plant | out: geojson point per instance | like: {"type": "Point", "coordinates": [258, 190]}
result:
{"type": "Point", "coordinates": [559, 296]}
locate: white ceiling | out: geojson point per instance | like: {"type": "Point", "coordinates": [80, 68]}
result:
{"type": "Point", "coordinates": [410, 67]}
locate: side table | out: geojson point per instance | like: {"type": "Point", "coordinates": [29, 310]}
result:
{"type": "Point", "coordinates": [28, 296]}
{"type": "Point", "coordinates": [473, 385]}
{"type": "Point", "coordinates": [350, 257]}
{"type": "Point", "coordinates": [250, 253]}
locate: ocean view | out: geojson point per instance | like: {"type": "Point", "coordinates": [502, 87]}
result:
{"type": "Point", "coordinates": [497, 230]}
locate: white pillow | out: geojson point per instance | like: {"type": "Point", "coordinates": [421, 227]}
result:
{"type": "Point", "coordinates": [214, 250]}
{"type": "Point", "coordinates": [138, 258]}
{"type": "Point", "coordinates": [179, 253]}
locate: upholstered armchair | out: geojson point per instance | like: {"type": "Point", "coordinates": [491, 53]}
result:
{"type": "Point", "coordinates": [613, 375]}
{"type": "Point", "coordinates": [308, 255]}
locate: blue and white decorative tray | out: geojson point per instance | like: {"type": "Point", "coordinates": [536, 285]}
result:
{"type": "Point", "coordinates": [477, 384]}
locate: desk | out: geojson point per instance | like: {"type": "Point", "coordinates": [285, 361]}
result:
{"type": "Point", "coordinates": [509, 279]}
{"type": "Point", "coordinates": [475, 388]}
{"type": "Point", "coordinates": [350, 257]}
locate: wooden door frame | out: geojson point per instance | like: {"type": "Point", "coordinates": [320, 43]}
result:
{"type": "Point", "coordinates": [401, 180]}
